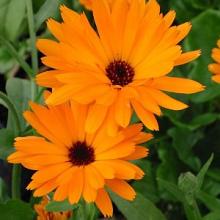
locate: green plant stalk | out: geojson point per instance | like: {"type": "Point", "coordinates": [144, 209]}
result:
{"type": "Point", "coordinates": [196, 210]}
{"type": "Point", "coordinates": [16, 171]}
{"type": "Point", "coordinates": [32, 33]}
{"type": "Point", "coordinates": [16, 181]}
{"type": "Point", "coordinates": [24, 65]}
{"type": "Point", "coordinates": [34, 57]}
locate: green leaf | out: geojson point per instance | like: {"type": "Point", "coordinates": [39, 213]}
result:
{"type": "Point", "coordinates": [197, 121]}
{"type": "Point", "coordinates": [87, 211]}
{"type": "Point", "coordinates": [173, 189]}
{"type": "Point", "coordinates": [203, 171]}
{"type": "Point", "coordinates": [6, 61]}
{"type": "Point", "coordinates": [19, 91]}
{"type": "Point", "coordinates": [184, 9]}
{"type": "Point", "coordinates": [183, 141]}
{"type": "Point", "coordinates": [5, 101]}
{"type": "Point", "coordinates": [47, 10]}
{"type": "Point", "coordinates": [203, 120]}
{"type": "Point", "coordinates": [54, 206]}
{"type": "Point", "coordinates": [3, 11]}
{"type": "Point", "coordinates": [212, 216]}
{"type": "Point", "coordinates": [147, 185]}
{"type": "Point", "coordinates": [16, 210]}
{"type": "Point", "coordinates": [214, 174]}
{"type": "Point", "coordinates": [209, 200]}
{"type": "Point", "coordinates": [6, 143]}
{"type": "Point", "coordinates": [204, 35]}
{"type": "Point", "coordinates": [12, 15]}
{"type": "Point", "coordinates": [168, 168]}
{"type": "Point", "coordinates": [18, 54]}
{"type": "Point", "coordinates": [14, 18]}
{"type": "Point", "coordinates": [140, 208]}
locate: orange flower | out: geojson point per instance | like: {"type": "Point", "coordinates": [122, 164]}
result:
{"type": "Point", "coordinates": [88, 3]}
{"type": "Point", "coordinates": [44, 215]}
{"type": "Point", "coordinates": [122, 68]}
{"type": "Point", "coordinates": [75, 163]}
{"type": "Point", "coordinates": [215, 67]}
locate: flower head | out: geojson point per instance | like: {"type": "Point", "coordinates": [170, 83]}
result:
{"type": "Point", "coordinates": [44, 215]}
{"type": "Point", "coordinates": [122, 67]}
{"type": "Point", "coordinates": [215, 67]}
{"type": "Point", "coordinates": [75, 164]}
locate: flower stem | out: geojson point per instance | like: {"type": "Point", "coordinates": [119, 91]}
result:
{"type": "Point", "coordinates": [16, 181]}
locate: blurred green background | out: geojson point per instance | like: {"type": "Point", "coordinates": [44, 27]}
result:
{"type": "Point", "coordinates": [177, 185]}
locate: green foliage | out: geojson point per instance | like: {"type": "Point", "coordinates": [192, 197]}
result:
{"type": "Point", "coordinates": [60, 206]}
{"type": "Point", "coordinates": [204, 35]}
{"type": "Point", "coordinates": [3, 191]}
{"type": "Point", "coordinates": [6, 143]}
{"type": "Point", "coordinates": [20, 92]}
{"type": "Point", "coordinates": [48, 9]}
{"type": "Point", "coordinates": [140, 208]}
{"type": "Point", "coordinates": [170, 189]}
{"type": "Point", "coordinates": [12, 14]}
{"type": "Point", "coordinates": [16, 210]}
{"type": "Point", "coordinates": [189, 189]}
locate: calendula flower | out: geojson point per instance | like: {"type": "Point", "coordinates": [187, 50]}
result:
{"type": "Point", "coordinates": [75, 164]}
{"type": "Point", "coordinates": [215, 67]}
{"type": "Point", "coordinates": [122, 68]}
{"type": "Point", "coordinates": [44, 215]}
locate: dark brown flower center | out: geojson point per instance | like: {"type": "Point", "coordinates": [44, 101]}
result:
{"type": "Point", "coordinates": [120, 72]}
{"type": "Point", "coordinates": [80, 154]}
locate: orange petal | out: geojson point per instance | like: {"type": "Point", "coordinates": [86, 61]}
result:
{"type": "Point", "coordinates": [145, 116]}
{"type": "Point", "coordinates": [55, 28]}
{"type": "Point", "coordinates": [89, 193]}
{"type": "Point", "coordinates": [214, 68]}
{"type": "Point", "coordinates": [122, 188]}
{"type": "Point", "coordinates": [178, 85]}
{"type": "Point", "coordinates": [61, 192]}
{"type": "Point", "coordinates": [45, 188]}
{"type": "Point", "coordinates": [106, 171]}
{"type": "Point", "coordinates": [48, 47]}
{"type": "Point", "coordinates": [147, 101]}
{"type": "Point", "coordinates": [63, 94]}
{"type": "Point", "coordinates": [187, 57]}
{"type": "Point", "coordinates": [94, 177]}
{"type": "Point", "coordinates": [116, 152]}
{"type": "Point", "coordinates": [140, 152]}
{"type": "Point", "coordinates": [50, 172]}
{"type": "Point", "coordinates": [95, 118]}
{"type": "Point", "coordinates": [216, 78]}
{"type": "Point", "coordinates": [104, 203]}
{"type": "Point", "coordinates": [123, 110]}
{"type": "Point", "coordinates": [48, 79]}
{"type": "Point", "coordinates": [122, 169]}
{"type": "Point", "coordinates": [76, 186]}
{"type": "Point", "coordinates": [166, 101]}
